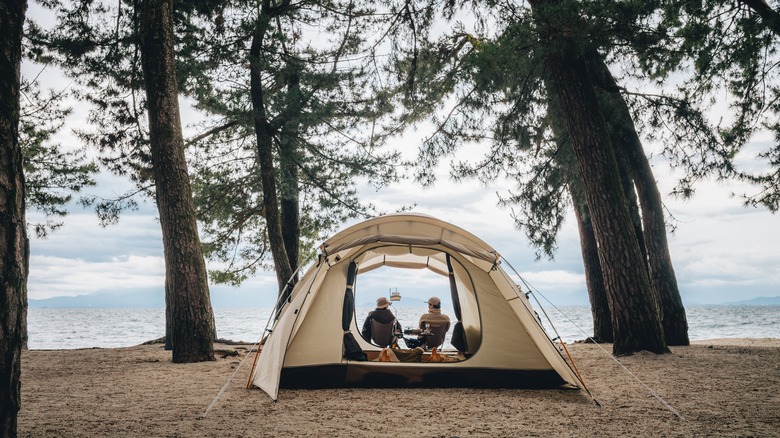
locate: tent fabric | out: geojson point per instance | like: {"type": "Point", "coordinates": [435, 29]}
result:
{"type": "Point", "coordinates": [453, 288]}
{"type": "Point", "coordinates": [505, 344]}
{"type": "Point", "coordinates": [459, 337]}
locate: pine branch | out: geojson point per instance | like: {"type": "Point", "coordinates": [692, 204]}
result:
{"type": "Point", "coordinates": [210, 132]}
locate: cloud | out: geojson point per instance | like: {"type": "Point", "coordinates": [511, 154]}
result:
{"type": "Point", "coordinates": [58, 276]}
{"type": "Point", "coordinates": [82, 237]}
{"type": "Point", "coordinates": [555, 278]}
{"type": "Point", "coordinates": [718, 245]}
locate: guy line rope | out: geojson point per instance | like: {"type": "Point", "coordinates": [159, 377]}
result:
{"type": "Point", "coordinates": [533, 291]}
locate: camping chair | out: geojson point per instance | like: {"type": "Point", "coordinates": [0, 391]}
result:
{"type": "Point", "coordinates": [436, 339]}
{"type": "Point", "coordinates": [383, 334]}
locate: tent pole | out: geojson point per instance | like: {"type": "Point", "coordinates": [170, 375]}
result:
{"type": "Point", "coordinates": [254, 362]}
{"type": "Point", "coordinates": [276, 311]}
{"type": "Point", "coordinates": [573, 365]}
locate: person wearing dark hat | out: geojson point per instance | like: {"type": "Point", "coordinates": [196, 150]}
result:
{"type": "Point", "coordinates": [432, 328]}
{"type": "Point", "coordinates": [380, 326]}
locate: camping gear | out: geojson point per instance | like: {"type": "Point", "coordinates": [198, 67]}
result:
{"type": "Point", "coordinates": [310, 341]}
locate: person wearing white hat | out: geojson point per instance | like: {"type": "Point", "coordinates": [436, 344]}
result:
{"type": "Point", "coordinates": [380, 325]}
{"type": "Point", "coordinates": [432, 328]}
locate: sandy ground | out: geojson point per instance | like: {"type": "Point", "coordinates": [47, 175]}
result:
{"type": "Point", "coordinates": [718, 387]}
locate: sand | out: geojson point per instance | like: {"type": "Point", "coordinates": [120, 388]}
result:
{"type": "Point", "coordinates": [719, 388]}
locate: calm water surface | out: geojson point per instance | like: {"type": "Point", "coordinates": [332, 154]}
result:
{"type": "Point", "coordinates": [61, 328]}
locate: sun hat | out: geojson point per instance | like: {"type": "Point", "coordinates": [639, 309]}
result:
{"type": "Point", "coordinates": [382, 303]}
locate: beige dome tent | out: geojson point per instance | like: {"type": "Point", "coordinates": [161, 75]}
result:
{"type": "Point", "coordinates": [498, 338]}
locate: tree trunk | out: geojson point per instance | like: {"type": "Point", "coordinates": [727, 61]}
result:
{"type": "Point", "coordinates": [627, 181]}
{"type": "Point", "coordinates": [288, 154]}
{"type": "Point", "coordinates": [663, 278]}
{"type": "Point", "coordinates": [13, 233]}
{"type": "Point", "coordinates": [187, 292]}
{"type": "Point", "coordinates": [636, 324]}
{"type": "Point", "coordinates": [168, 316]}
{"type": "Point", "coordinates": [264, 133]}
{"type": "Point", "coordinates": [597, 294]}
{"type": "Point", "coordinates": [673, 317]}
{"type": "Point", "coordinates": [291, 232]}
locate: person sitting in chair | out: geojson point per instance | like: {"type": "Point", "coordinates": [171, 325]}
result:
{"type": "Point", "coordinates": [380, 325]}
{"type": "Point", "coordinates": [432, 328]}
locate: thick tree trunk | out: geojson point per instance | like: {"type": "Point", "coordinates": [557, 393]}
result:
{"type": "Point", "coordinates": [673, 317]}
{"type": "Point", "coordinates": [169, 323]}
{"type": "Point", "coordinates": [264, 133]}
{"type": "Point", "coordinates": [597, 294]}
{"type": "Point", "coordinates": [289, 191]}
{"type": "Point", "coordinates": [13, 234]}
{"type": "Point", "coordinates": [636, 324]}
{"type": "Point", "coordinates": [290, 217]}
{"type": "Point", "coordinates": [663, 278]}
{"type": "Point", "coordinates": [627, 181]}
{"type": "Point", "coordinates": [187, 289]}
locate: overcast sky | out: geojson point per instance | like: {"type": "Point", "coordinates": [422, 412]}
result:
{"type": "Point", "coordinates": [722, 252]}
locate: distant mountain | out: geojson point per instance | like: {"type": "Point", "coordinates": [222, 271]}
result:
{"type": "Point", "coordinates": [154, 297]}
{"type": "Point", "coordinates": [224, 296]}
{"type": "Point", "coordinates": [151, 297]}
{"type": "Point", "coordinates": [758, 301]}
{"type": "Point", "coordinates": [221, 296]}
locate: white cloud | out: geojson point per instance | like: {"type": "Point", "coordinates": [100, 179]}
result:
{"type": "Point", "coordinates": [718, 244]}
{"type": "Point", "coordinates": [57, 276]}
{"type": "Point", "coordinates": [552, 279]}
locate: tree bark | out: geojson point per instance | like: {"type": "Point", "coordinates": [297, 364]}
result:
{"type": "Point", "coordinates": [597, 294]}
{"type": "Point", "coordinates": [264, 133]}
{"type": "Point", "coordinates": [13, 233]}
{"type": "Point", "coordinates": [636, 324]}
{"type": "Point", "coordinates": [627, 181]}
{"type": "Point", "coordinates": [659, 260]}
{"type": "Point", "coordinates": [664, 280]}
{"type": "Point", "coordinates": [288, 158]}
{"type": "Point", "coordinates": [187, 292]}
{"type": "Point", "coordinates": [168, 316]}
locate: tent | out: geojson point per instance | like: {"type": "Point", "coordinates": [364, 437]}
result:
{"type": "Point", "coordinates": [313, 338]}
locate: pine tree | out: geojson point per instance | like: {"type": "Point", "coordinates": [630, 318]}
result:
{"type": "Point", "coordinates": [14, 251]}
{"type": "Point", "coordinates": [710, 50]}
{"type": "Point", "coordinates": [635, 320]}
{"type": "Point", "coordinates": [53, 174]}
{"type": "Point", "coordinates": [190, 317]}
{"type": "Point", "coordinates": [101, 47]}
{"type": "Point", "coordinates": [525, 144]}
{"type": "Point", "coordinates": [277, 168]}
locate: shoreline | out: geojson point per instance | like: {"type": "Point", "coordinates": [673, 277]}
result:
{"type": "Point", "coordinates": [753, 342]}
{"type": "Point", "coordinates": [724, 386]}
{"type": "Point", "coordinates": [111, 328]}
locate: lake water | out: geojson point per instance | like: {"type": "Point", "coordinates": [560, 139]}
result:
{"type": "Point", "coordinates": [67, 328]}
